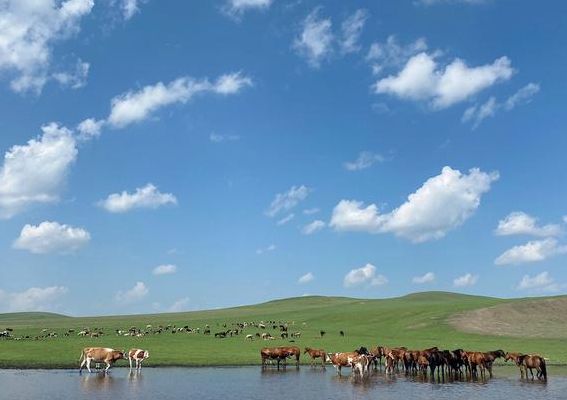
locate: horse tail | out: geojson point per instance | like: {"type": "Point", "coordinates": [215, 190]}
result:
{"type": "Point", "coordinates": [543, 369]}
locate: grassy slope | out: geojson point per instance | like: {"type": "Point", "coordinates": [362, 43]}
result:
{"type": "Point", "coordinates": [416, 321]}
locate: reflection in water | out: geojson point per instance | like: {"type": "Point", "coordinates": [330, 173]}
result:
{"type": "Point", "coordinates": [96, 381]}
{"type": "Point", "coordinates": [255, 383]}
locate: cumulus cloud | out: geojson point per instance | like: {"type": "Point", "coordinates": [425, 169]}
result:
{"type": "Point", "coordinates": [76, 78]}
{"type": "Point", "coordinates": [29, 31]}
{"type": "Point", "coordinates": [392, 54]}
{"type": "Point", "coordinates": [429, 277]}
{"type": "Point", "coordinates": [465, 280]}
{"type": "Point", "coordinates": [533, 251]}
{"type": "Point", "coordinates": [287, 200]}
{"type": "Point", "coordinates": [49, 237]}
{"type": "Point", "coordinates": [165, 269]}
{"type": "Point", "coordinates": [313, 227]}
{"type": "Point", "coordinates": [478, 113]}
{"type": "Point", "coordinates": [308, 277]}
{"type": "Point", "coordinates": [145, 197]}
{"type": "Point", "coordinates": [34, 173]}
{"type": "Point", "coordinates": [136, 106]}
{"type": "Point", "coordinates": [365, 159]}
{"type": "Point", "coordinates": [285, 219]}
{"type": "Point", "coordinates": [520, 223]}
{"type": "Point", "coordinates": [270, 248]}
{"type": "Point", "coordinates": [129, 8]}
{"type": "Point", "coordinates": [135, 294]}
{"type": "Point", "coordinates": [364, 276]}
{"type": "Point", "coordinates": [315, 42]}
{"type": "Point", "coordinates": [540, 282]}
{"type": "Point", "coordinates": [32, 299]}
{"type": "Point", "coordinates": [89, 128]}
{"type": "Point", "coordinates": [351, 30]}
{"type": "Point", "coordinates": [441, 204]}
{"type": "Point", "coordinates": [236, 8]}
{"type": "Point", "coordinates": [180, 305]}
{"type": "Point", "coordinates": [441, 86]}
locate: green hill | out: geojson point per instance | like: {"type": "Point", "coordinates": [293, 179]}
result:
{"type": "Point", "coordinates": [417, 320]}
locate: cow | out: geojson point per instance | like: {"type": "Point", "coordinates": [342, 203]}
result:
{"type": "Point", "coordinates": [137, 355]}
{"type": "Point", "coordinates": [340, 360]}
{"type": "Point", "coordinates": [100, 354]}
{"type": "Point", "coordinates": [279, 354]}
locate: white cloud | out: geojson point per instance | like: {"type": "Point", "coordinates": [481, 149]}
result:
{"type": "Point", "coordinates": [165, 269]}
{"type": "Point", "coordinates": [351, 30]}
{"type": "Point", "coordinates": [285, 219]}
{"type": "Point", "coordinates": [137, 293]}
{"type": "Point", "coordinates": [49, 237]}
{"type": "Point", "coordinates": [465, 280]}
{"type": "Point", "coordinates": [75, 79]}
{"type": "Point", "coordinates": [423, 79]}
{"type": "Point", "coordinates": [541, 282]}
{"type": "Point", "coordinates": [313, 227]}
{"type": "Point", "coordinates": [364, 275]}
{"type": "Point", "coordinates": [477, 113]}
{"type": "Point", "coordinates": [34, 173]}
{"type": "Point", "coordinates": [315, 210]}
{"type": "Point", "coordinates": [270, 248]}
{"type": "Point", "coordinates": [365, 159]}
{"type": "Point", "coordinates": [316, 39]}
{"type": "Point", "coordinates": [132, 107]}
{"type": "Point", "coordinates": [145, 197]}
{"type": "Point", "coordinates": [235, 8]}
{"type": "Point", "coordinates": [32, 299]}
{"type": "Point", "coordinates": [29, 30]}
{"type": "Point", "coordinates": [129, 8]}
{"type": "Point", "coordinates": [180, 305]}
{"type": "Point", "coordinates": [533, 251]}
{"type": "Point", "coordinates": [429, 277]}
{"type": "Point", "coordinates": [391, 54]}
{"type": "Point", "coordinates": [288, 200]}
{"type": "Point", "coordinates": [441, 204]}
{"type": "Point", "coordinates": [89, 128]}
{"type": "Point", "coordinates": [308, 277]}
{"type": "Point", "coordinates": [217, 138]}
{"type": "Point", "coordinates": [520, 223]}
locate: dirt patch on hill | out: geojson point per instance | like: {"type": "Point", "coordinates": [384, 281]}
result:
{"type": "Point", "coordinates": [545, 318]}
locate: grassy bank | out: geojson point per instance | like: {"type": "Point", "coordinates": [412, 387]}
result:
{"type": "Point", "coordinates": [416, 321]}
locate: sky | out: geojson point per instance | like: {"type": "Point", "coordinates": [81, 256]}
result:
{"type": "Point", "coordinates": [185, 155]}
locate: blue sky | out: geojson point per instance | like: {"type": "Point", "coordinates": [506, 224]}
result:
{"type": "Point", "coordinates": [191, 155]}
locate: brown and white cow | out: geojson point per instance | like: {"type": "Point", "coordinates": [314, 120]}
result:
{"type": "Point", "coordinates": [100, 354]}
{"type": "Point", "coordinates": [340, 360]}
{"type": "Point", "coordinates": [137, 355]}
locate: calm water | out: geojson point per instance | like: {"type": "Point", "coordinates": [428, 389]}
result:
{"type": "Point", "coordinates": [253, 383]}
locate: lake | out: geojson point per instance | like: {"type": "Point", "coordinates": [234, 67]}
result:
{"type": "Point", "coordinates": [255, 383]}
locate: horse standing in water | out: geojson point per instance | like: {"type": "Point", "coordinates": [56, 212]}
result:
{"type": "Point", "coordinates": [531, 362]}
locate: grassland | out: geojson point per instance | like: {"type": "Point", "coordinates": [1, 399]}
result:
{"type": "Point", "coordinates": [416, 321]}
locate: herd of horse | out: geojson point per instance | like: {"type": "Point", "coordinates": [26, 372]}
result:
{"type": "Point", "coordinates": [444, 364]}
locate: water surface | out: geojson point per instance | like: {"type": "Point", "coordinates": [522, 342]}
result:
{"type": "Point", "coordinates": [255, 383]}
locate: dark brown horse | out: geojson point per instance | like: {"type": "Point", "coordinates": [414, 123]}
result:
{"type": "Point", "coordinates": [491, 356]}
{"type": "Point", "coordinates": [316, 353]}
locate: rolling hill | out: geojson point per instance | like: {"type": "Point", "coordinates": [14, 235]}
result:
{"type": "Point", "coordinates": [418, 320]}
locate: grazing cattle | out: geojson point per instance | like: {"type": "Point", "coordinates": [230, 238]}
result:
{"type": "Point", "coordinates": [296, 334]}
{"type": "Point", "coordinates": [322, 333]}
{"type": "Point", "coordinates": [342, 333]}
{"type": "Point", "coordinates": [316, 353]}
{"type": "Point", "coordinates": [280, 354]}
{"type": "Point", "coordinates": [249, 337]}
{"type": "Point", "coordinates": [137, 355]}
{"type": "Point", "coordinates": [100, 354]}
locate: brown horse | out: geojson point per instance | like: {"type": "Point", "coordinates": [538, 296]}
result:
{"type": "Point", "coordinates": [316, 353]}
{"type": "Point", "coordinates": [491, 356]}
{"type": "Point", "coordinates": [476, 359]}
{"type": "Point", "coordinates": [531, 362]}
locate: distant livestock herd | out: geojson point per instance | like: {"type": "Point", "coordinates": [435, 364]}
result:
{"type": "Point", "coordinates": [454, 364]}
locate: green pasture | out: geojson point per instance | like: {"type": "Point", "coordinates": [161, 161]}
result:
{"type": "Point", "coordinates": [416, 321]}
